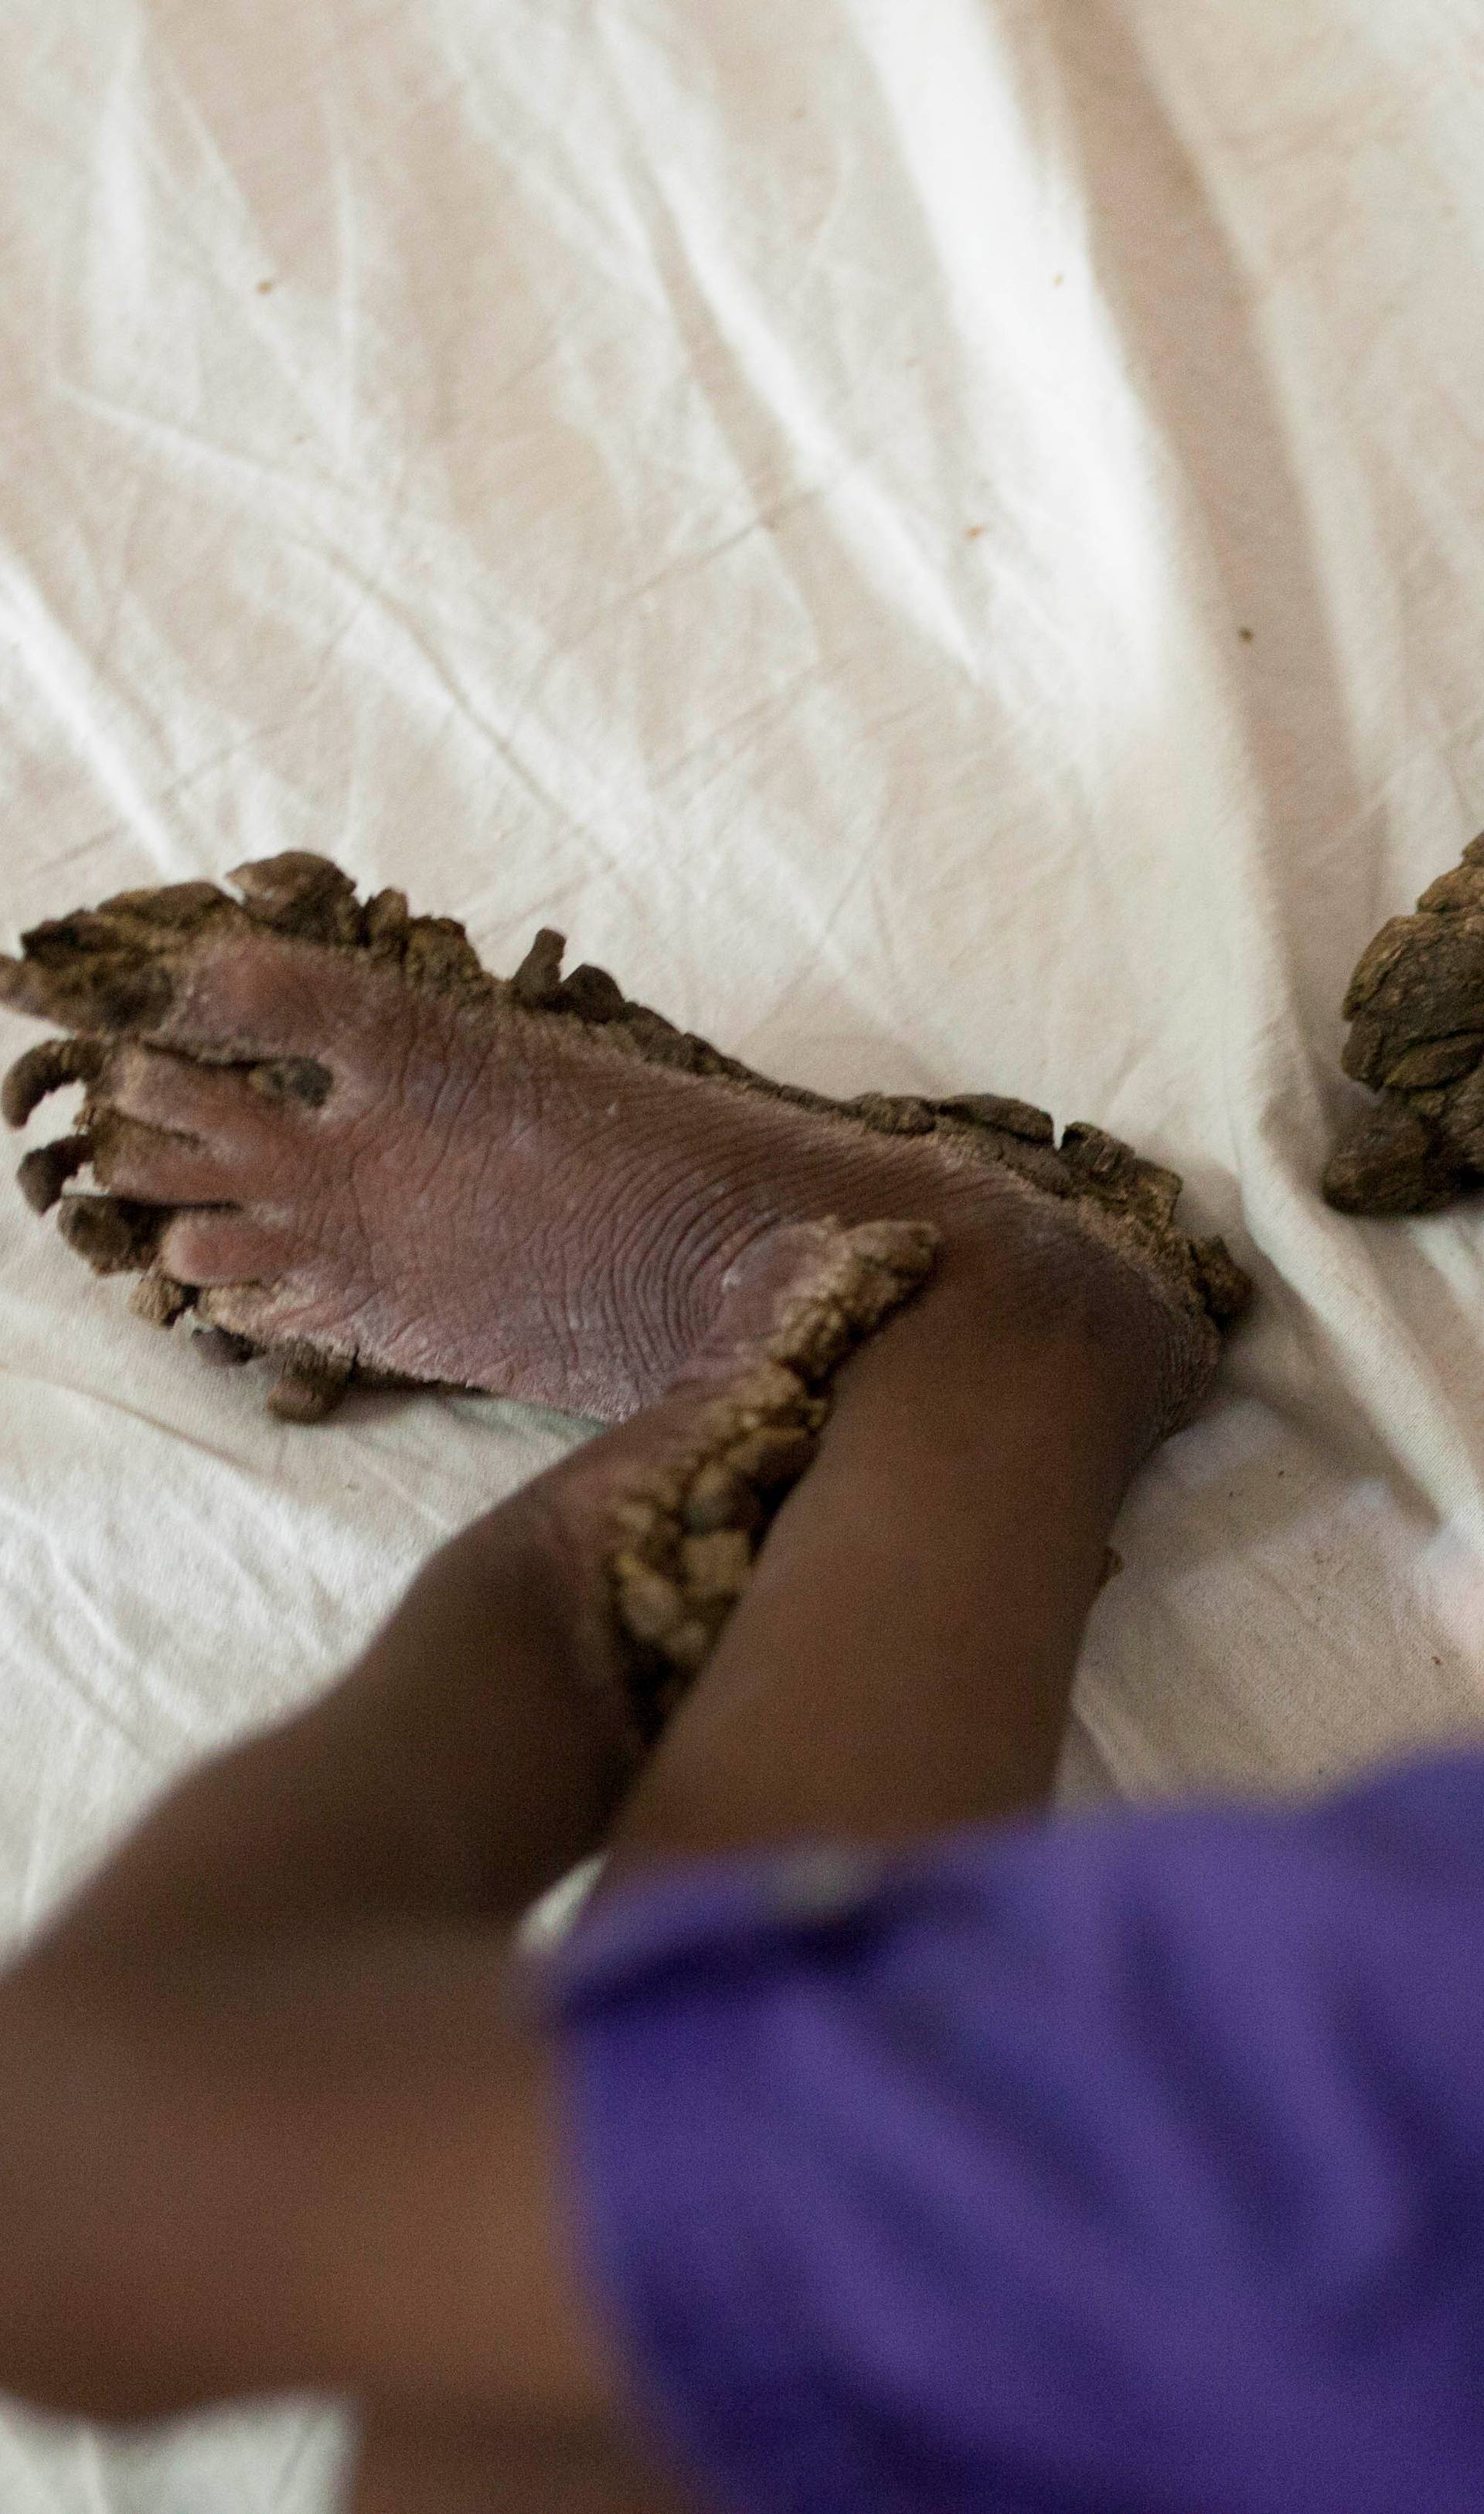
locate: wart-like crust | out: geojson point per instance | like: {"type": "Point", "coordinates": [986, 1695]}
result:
{"type": "Point", "coordinates": [1416, 1010]}
{"type": "Point", "coordinates": [682, 1544]}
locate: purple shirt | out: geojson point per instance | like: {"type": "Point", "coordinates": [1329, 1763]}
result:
{"type": "Point", "coordinates": [1128, 2165]}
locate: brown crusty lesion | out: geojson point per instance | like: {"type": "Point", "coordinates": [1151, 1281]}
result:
{"type": "Point", "coordinates": [1416, 1010]}
{"type": "Point", "coordinates": [683, 1542]}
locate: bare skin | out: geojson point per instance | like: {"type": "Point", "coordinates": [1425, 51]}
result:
{"type": "Point", "coordinates": [280, 2012]}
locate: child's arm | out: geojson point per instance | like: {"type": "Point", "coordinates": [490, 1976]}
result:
{"type": "Point", "coordinates": [325, 2166]}
{"type": "Point", "coordinates": [268, 2119]}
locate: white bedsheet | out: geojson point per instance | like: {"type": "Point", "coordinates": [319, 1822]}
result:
{"type": "Point", "coordinates": [943, 543]}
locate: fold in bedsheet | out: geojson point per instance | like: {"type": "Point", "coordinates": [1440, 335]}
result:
{"type": "Point", "coordinates": [942, 544]}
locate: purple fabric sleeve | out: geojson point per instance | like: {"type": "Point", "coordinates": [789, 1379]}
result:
{"type": "Point", "coordinates": [1129, 2165]}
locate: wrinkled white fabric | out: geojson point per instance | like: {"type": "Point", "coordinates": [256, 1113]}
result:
{"type": "Point", "coordinates": [947, 545]}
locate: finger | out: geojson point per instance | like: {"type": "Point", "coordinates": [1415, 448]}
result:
{"type": "Point", "coordinates": [309, 1385]}
{"type": "Point", "coordinates": [223, 1247]}
{"type": "Point", "coordinates": [88, 974]}
{"type": "Point", "coordinates": [111, 968]}
{"type": "Point", "coordinates": [45, 1172]}
{"type": "Point", "coordinates": [110, 1233]}
{"type": "Point", "coordinates": [237, 1109]}
{"type": "Point", "coordinates": [254, 997]}
{"type": "Point", "coordinates": [153, 1167]}
{"type": "Point", "coordinates": [50, 1067]}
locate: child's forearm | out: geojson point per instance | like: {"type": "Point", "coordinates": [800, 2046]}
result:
{"type": "Point", "coordinates": [453, 1774]}
{"type": "Point", "coordinates": [319, 2166]}
{"type": "Point", "coordinates": [276, 2007]}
